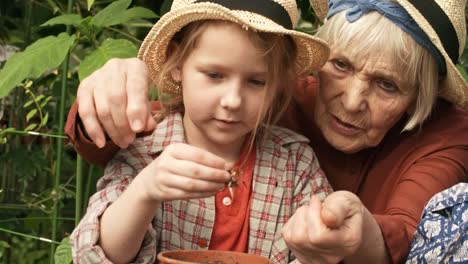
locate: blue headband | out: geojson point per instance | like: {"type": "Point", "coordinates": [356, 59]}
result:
{"type": "Point", "coordinates": [392, 11]}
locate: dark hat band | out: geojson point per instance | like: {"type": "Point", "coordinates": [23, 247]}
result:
{"type": "Point", "coordinates": [266, 8]}
{"type": "Point", "coordinates": [441, 24]}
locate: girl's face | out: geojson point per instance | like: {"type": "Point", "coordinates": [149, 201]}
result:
{"type": "Point", "coordinates": [223, 81]}
{"type": "Point", "coordinates": [359, 101]}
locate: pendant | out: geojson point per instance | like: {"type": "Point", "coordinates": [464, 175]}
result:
{"type": "Point", "coordinates": [233, 182]}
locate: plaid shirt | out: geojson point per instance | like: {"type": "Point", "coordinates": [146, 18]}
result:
{"type": "Point", "coordinates": [286, 173]}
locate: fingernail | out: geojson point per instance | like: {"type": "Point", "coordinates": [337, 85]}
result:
{"type": "Point", "coordinates": [137, 125]}
{"type": "Point", "coordinates": [100, 143]}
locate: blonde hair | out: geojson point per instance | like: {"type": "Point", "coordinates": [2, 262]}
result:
{"type": "Point", "coordinates": [280, 56]}
{"type": "Point", "coordinates": [373, 36]}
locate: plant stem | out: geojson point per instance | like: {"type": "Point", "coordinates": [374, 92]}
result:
{"type": "Point", "coordinates": [33, 218]}
{"type": "Point", "coordinates": [30, 236]}
{"type": "Point", "coordinates": [88, 186]}
{"type": "Point", "coordinates": [17, 207]}
{"type": "Point", "coordinates": [58, 165]}
{"type": "Point", "coordinates": [34, 133]}
{"type": "Point", "coordinates": [79, 191]}
{"type": "Point", "coordinates": [124, 34]}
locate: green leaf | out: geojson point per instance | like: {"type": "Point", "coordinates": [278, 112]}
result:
{"type": "Point", "coordinates": [137, 13]}
{"type": "Point", "coordinates": [31, 114]}
{"type": "Point", "coordinates": [30, 127]}
{"type": "Point", "coordinates": [39, 98]}
{"type": "Point", "coordinates": [63, 253]}
{"type": "Point", "coordinates": [45, 119]}
{"type": "Point", "coordinates": [69, 19]}
{"type": "Point", "coordinates": [45, 101]}
{"type": "Point", "coordinates": [4, 244]}
{"type": "Point", "coordinates": [42, 55]}
{"type": "Point", "coordinates": [127, 15]}
{"type": "Point", "coordinates": [28, 103]}
{"type": "Point", "coordinates": [90, 4]}
{"type": "Point", "coordinates": [111, 14]}
{"type": "Point", "coordinates": [110, 48]}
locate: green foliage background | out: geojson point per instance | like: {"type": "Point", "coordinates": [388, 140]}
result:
{"type": "Point", "coordinates": [44, 187]}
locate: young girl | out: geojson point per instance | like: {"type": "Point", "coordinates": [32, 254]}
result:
{"type": "Point", "coordinates": [215, 174]}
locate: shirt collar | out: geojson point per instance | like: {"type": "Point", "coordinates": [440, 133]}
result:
{"type": "Point", "coordinates": [169, 131]}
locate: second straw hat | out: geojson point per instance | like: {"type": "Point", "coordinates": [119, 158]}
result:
{"type": "Point", "coordinates": [444, 23]}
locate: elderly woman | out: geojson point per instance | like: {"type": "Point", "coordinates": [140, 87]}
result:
{"type": "Point", "coordinates": [387, 123]}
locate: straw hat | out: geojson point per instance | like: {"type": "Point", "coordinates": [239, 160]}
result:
{"type": "Point", "coordinates": [275, 16]}
{"type": "Point", "coordinates": [444, 22]}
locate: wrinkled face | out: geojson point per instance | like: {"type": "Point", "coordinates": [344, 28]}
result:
{"type": "Point", "coordinates": [359, 101]}
{"type": "Point", "coordinates": [223, 81]}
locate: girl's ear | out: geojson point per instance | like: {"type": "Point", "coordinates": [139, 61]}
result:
{"type": "Point", "coordinates": [176, 72]}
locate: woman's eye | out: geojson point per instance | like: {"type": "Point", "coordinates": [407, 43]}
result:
{"type": "Point", "coordinates": [341, 65]}
{"type": "Point", "coordinates": [259, 83]}
{"type": "Point", "coordinates": [387, 85]}
{"type": "Point", "coordinates": [214, 75]}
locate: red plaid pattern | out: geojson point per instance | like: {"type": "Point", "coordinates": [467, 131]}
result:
{"type": "Point", "coordinates": [286, 173]}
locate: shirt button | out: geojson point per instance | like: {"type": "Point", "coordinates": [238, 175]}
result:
{"type": "Point", "coordinates": [227, 201]}
{"type": "Point", "coordinates": [203, 243]}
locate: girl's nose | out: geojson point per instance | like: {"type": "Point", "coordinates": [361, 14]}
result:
{"type": "Point", "coordinates": [232, 97]}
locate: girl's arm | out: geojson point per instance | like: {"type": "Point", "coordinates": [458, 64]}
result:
{"type": "Point", "coordinates": [86, 237]}
{"type": "Point", "coordinates": [125, 223]}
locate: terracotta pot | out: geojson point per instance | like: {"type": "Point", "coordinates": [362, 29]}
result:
{"type": "Point", "coordinates": [209, 257]}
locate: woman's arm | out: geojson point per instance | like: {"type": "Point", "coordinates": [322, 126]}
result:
{"type": "Point", "coordinates": [427, 176]}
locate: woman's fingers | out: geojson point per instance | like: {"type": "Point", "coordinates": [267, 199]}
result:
{"type": "Point", "coordinates": [113, 99]}
{"type": "Point", "coordinates": [88, 116]}
{"type": "Point", "coordinates": [338, 207]}
{"type": "Point", "coordinates": [138, 110]}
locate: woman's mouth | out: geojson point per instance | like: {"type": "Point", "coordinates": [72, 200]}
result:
{"type": "Point", "coordinates": [344, 128]}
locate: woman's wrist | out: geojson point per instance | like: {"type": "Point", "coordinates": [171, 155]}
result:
{"type": "Point", "coordinates": [372, 248]}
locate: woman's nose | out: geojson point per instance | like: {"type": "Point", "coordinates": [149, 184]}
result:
{"type": "Point", "coordinates": [354, 98]}
{"type": "Point", "coordinates": [232, 97]}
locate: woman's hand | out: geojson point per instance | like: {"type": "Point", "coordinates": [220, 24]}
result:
{"type": "Point", "coordinates": [183, 172]}
{"type": "Point", "coordinates": [114, 100]}
{"type": "Point", "coordinates": [328, 232]}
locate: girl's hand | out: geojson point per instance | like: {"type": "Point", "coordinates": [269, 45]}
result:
{"type": "Point", "coordinates": [183, 172]}
{"type": "Point", "coordinates": [328, 232]}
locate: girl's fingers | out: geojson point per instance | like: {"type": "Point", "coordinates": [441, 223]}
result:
{"type": "Point", "coordinates": [198, 171]}
{"type": "Point", "coordinates": [177, 194]}
{"type": "Point", "coordinates": [197, 155]}
{"type": "Point", "coordinates": [191, 185]}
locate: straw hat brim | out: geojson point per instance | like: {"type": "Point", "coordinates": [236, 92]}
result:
{"type": "Point", "coordinates": [453, 87]}
{"type": "Point", "coordinates": [312, 52]}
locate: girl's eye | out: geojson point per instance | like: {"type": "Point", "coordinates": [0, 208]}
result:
{"type": "Point", "coordinates": [258, 83]}
{"type": "Point", "coordinates": [214, 75]}
{"type": "Point", "coordinates": [387, 85]}
{"type": "Point", "coordinates": [341, 65]}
